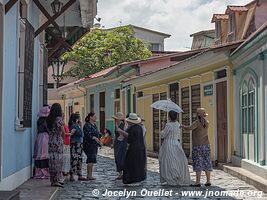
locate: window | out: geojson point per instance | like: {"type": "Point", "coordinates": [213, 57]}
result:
{"type": "Point", "coordinates": [251, 106]}
{"type": "Point", "coordinates": [220, 74]}
{"type": "Point", "coordinates": [248, 105]}
{"type": "Point", "coordinates": [24, 69]}
{"type": "Point", "coordinates": [140, 94]}
{"type": "Point", "coordinates": [117, 93]}
{"type": "Point", "coordinates": [154, 47]}
{"type": "Point", "coordinates": [231, 27]}
{"type": "Point", "coordinates": [117, 101]}
{"type": "Point", "coordinates": [218, 29]}
{"type": "Point", "coordinates": [174, 92]}
{"type": "Point", "coordinates": [92, 103]}
{"type": "Point", "coordinates": [244, 107]}
{"type": "Point", "coordinates": [232, 22]}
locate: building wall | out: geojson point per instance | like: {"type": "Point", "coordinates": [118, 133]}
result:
{"type": "Point", "coordinates": [109, 89]}
{"type": "Point", "coordinates": [252, 61]}
{"type": "Point", "coordinates": [208, 102]}
{"type": "Point", "coordinates": [17, 144]}
{"type": "Point", "coordinates": [150, 37]}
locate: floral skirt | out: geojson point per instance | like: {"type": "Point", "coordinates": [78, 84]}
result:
{"type": "Point", "coordinates": [76, 159]}
{"type": "Point", "coordinates": [66, 158]}
{"type": "Point", "coordinates": [201, 158]}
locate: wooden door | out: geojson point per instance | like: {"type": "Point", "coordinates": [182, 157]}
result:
{"type": "Point", "coordinates": [102, 111]}
{"type": "Point", "coordinates": [222, 140]}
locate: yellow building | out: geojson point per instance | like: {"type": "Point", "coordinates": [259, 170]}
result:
{"type": "Point", "coordinates": [204, 80]}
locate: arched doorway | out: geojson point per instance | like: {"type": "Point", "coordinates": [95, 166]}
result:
{"type": "Point", "coordinates": [248, 117]}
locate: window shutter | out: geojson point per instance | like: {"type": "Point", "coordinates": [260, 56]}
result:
{"type": "Point", "coordinates": [45, 71]}
{"type": "Point", "coordinates": [28, 74]}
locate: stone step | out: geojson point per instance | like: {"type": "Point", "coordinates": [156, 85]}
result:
{"type": "Point", "coordinates": [9, 195]}
{"type": "Point", "coordinates": [245, 175]}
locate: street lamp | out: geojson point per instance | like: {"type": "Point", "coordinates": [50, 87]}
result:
{"type": "Point", "coordinates": [56, 6]}
{"type": "Point", "coordinates": [58, 68]}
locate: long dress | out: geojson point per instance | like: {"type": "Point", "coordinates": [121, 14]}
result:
{"type": "Point", "coordinates": [41, 155]}
{"type": "Point", "coordinates": [173, 163]}
{"type": "Point", "coordinates": [120, 146]}
{"type": "Point", "coordinates": [135, 161]}
{"type": "Point", "coordinates": [56, 151]}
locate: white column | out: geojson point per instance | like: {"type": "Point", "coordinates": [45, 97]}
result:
{"type": "Point", "coordinates": [263, 139]}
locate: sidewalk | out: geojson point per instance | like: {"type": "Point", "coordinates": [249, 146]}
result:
{"type": "Point", "coordinates": [38, 189]}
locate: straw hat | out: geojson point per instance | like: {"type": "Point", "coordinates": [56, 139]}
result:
{"type": "Point", "coordinates": [133, 118]}
{"type": "Point", "coordinates": [44, 112]}
{"type": "Point", "coordinates": [202, 111]}
{"type": "Point", "coordinates": [119, 116]}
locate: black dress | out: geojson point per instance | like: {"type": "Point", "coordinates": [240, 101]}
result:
{"type": "Point", "coordinates": [135, 160]}
{"type": "Point", "coordinates": [89, 144]}
{"type": "Point", "coordinates": [120, 147]}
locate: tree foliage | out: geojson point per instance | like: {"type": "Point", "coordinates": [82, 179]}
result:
{"type": "Point", "coordinates": [101, 49]}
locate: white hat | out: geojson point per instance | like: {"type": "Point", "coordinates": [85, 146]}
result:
{"type": "Point", "coordinates": [133, 118]}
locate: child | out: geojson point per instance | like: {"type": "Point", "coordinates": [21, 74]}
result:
{"type": "Point", "coordinates": [41, 156]}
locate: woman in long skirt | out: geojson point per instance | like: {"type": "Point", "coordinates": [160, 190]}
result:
{"type": "Point", "coordinates": [55, 126]}
{"type": "Point", "coordinates": [120, 144]}
{"type": "Point", "coordinates": [173, 164]}
{"type": "Point", "coordinates": [76, 147]}
{"type": "Point", "coordinates": [134, 170]}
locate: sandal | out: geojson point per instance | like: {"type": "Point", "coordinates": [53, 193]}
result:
{"type": "Point", "coordinates": [207, 184]}
{"type": "Point", "coordinates": [81, 178]}
{"type": "Point", "coordinates": [56, 185]}
{"type": "Point", "coordinates": [91, 179]}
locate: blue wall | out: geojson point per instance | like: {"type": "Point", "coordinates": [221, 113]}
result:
{"type": "Point", "coordinates": [108, 88]}
{"type": "Point", "coordinates": [17, 145]}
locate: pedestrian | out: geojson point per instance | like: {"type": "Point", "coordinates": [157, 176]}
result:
{"type": "Point", "coordinates": [56, 130]}
{"type": "Point", "coordinates": [142, 124]}
{"type": "Point", "coordinates": [120, 144]}
{"type": "Point", "coordinates": [134, 170]}
{"type": "Point", "coordinates": [106, 139]}
{"type": "Point", "coordinates": [76, 147]}
{"type": "Point", "coordinates": [41, 155]}
{"type": "Point", "coordinates": [66, 150]}
{"type": "Point", "coordinates": [91, 143]}
{"type": "Point", "coordinates": [173, 164]}
{"type": "Point", "coordinates": [200, 147]}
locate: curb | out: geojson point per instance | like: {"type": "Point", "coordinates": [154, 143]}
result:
{"type": "Point", "coordinates": [245, 175]}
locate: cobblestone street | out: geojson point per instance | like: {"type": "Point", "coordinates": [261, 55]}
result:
{"type": "Point", "coordinates": [105, 173]}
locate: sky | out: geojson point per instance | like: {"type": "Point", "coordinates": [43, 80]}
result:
{"type": "Point", "coordinates": [179, 18]}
